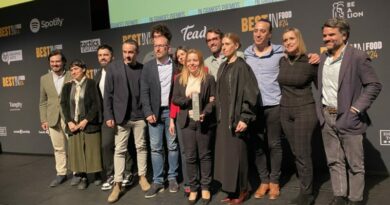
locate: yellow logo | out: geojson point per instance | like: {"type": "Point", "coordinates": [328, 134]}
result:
{"type": "Point", "coordinates": [44, 51]}
{"type": "Point", "coordinates": [13, 81]}
{"type": "Point", "coordinates": [141, 38]}
{"type": "Point", "coordinates": [278, 20]}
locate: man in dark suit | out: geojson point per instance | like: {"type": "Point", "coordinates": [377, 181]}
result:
{"type": "Point", "coordinates": [123, 111]}
{"type": "Point", "coordinates": [156, 90]}
{"type": "Point", "coordinates": [105, 56]}
{"type": "Point", "coordinates": [348, 85]}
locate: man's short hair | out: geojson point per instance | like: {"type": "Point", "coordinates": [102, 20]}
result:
{"type": "Point", "coordinates": [57, 52]}
{"type": "Point", "coordinates": [105, 46]}
{"type": "Point", "coordinates": [132, 42]}
{"type": "Point", "coordinates": [163, 29]}
{"type": "Point", "coordinates": [268, 22]}
{"type": "Point", "coordinates": [216, 31]}
{"type": "Point", "coordinates": [339, 23]}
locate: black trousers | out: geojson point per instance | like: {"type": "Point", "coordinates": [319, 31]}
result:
{"type": "Point", "coordinates": [197, 148]}
{"type": "Point", "coordinates": [299, 124]}
{"type": "Point", "coordinates": [108, 145]}
{"type": "Point", "coordinates": [265, 143]}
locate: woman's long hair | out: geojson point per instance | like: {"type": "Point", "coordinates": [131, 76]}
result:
{"type": "Point", "coordinates": [185, 74]}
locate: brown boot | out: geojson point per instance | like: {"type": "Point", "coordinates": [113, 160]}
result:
{"type": "Point", "coordinates": [274, 191]}
{"type": "Point", "coordinates": [143, 182]}
{"type": "Point", "coordinates": [261, 191]}
{"type": "Point", "coordinates": [116, 191]}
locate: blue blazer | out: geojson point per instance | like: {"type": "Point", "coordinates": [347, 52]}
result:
{"type": "Point", "coordinates": [359, 86]}
{"type": "Point", "coordinates": [151, 88]}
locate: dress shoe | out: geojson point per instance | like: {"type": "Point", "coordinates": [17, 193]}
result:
{"type": "Point", "coordinates": [116, 191]}
{"type": "Point", "coordinates": [75, 180]}
{"type": "Point", "coordinates": [274, 191]}
{"type": "Point", "coordinates": [144, 184]}
{"type": "Point", "coordinates": [192, 198]}
{"type": "Point", "coordinates": [58, 180]}
{"type": "Point", "coordinates": [339, 200]}
{"type": "Point", "coordinates": [83, 183]}
{"type": "Point", "coordinates": [206, 197]}
{"type": "Point", "coordinates": [243, 196]}
{"type": "Point", "coordinates": [261, 191]}
{"type": "Point", "coordinates": [355, 203]}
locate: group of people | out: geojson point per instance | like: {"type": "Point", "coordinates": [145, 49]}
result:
{"type": "Point", "coordinates": [214, 114]}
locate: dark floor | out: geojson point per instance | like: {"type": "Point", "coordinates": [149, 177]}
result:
{"type": "Point", "coordinates": [24, 180]}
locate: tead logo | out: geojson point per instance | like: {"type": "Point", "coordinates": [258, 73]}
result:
{"type": "Point", "coordinates": [340, 9]}
{"type": "Point", "coordinates": [141, 38]}
{"type": "Point", "coordinates": [3, 131]}
{"type": "Point", "coordinates": [44, 51]}
{"type": "Point", "coordinates": [91, 45]}
{"type": "Point", "coordinates": [36, 24]}
{"type": "Point", "coordinates": [191, 34]}
{"type": "Point", "coordinates": [21, 131]}
{"type": "Point", "coordinates": [15, 106]}
{"type": "Point", "coordinates": [13, 81]}
{"type": "Point", "coordinates": [11, 56]}
{"type": "Point", "coordinates": [277, 19]}
{"type": "Point", "coordinates": [11, 30]}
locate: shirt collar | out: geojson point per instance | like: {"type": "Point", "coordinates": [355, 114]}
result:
{"type": "Point", "coordinates": [168, 62]}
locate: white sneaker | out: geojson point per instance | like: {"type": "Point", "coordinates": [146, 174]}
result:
{"type": "Point", "coordinates": [107, 185]}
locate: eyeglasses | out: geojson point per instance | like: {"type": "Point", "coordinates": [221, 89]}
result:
{"type": "Point", "coordinates": [160, 46]}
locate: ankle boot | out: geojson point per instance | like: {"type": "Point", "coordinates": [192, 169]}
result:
{"type": "Point", "coordinates": [116, 191]}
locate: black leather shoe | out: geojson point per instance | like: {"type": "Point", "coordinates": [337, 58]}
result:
{"type": "Point", "coordinates": [339, 200]}
{"type": "Point", "coordinates": [83, 183]}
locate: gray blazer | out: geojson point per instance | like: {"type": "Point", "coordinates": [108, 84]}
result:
{"type": "Point", "coordinates": [49, 100]}
{"type": "Point", "coordinates": [151, 88]}
{"type": "Point", "coordinates": [359, 86]}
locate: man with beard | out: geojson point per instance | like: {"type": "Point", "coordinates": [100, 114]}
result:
{"type": "Point", "coordinates": [214, 43]}
{"type": "Point", "coordinates": [347, 85]}
{"type": "Point", "coordinates": [105, 56]}
{"type": "Point", "coordinates": [50, 113]}
{"type": "Point", "coordinates": [123, 111]}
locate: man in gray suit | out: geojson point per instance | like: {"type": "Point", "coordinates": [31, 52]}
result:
{"type": "Point", "coordinates": [50, 113]}
{"type": "Point", "coordinates": [348, 85]}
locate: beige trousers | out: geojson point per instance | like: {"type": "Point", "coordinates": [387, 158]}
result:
{"type": "Point", "coordinates": [59, 140]}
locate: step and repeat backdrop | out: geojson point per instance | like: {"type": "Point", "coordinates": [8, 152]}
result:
{"type": "Point", "coordinates": [30, 31]}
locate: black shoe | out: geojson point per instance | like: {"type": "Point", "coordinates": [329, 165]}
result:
{"type": "Point", "coordinates": [128, 180]}
{"type": "Point", "coordinates": [173, 186]}
{"type": "Point", "coordinates": [355, 203]}
{"type": "Point", "coordinates": [58, 180]}
{"type": "Point", "coordinates": [306, 199]}
{"type": "Point", "coordinates": [154, 189]}
{"type": "Point", "coordinates": [83, 183]}
{"type": "Point", "coordinates": [75, 180]}
{"type": "Point", "coordinates": [339, 200]}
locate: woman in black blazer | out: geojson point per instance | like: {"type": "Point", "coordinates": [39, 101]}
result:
{"type": "Point", "coordinates": [80, 105]}
{"type": "Point", "coordinates": [196, 127]}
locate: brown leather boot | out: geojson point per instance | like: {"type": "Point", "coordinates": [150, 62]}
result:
{"type": "Point", "coordinates": [274, 191]}
{"type": "Point", "coordinates": [261, 191]}
{"type": "Point", "coordinates": [143, 182]}
{"type": "Point", "coordinates": [116, 191]}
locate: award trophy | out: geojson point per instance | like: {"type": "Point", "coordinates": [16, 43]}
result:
{"type": "Point", "coordinates": [195, 107]}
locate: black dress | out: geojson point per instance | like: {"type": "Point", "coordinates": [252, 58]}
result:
{"type": "Point", "coordinates": [231, 163]}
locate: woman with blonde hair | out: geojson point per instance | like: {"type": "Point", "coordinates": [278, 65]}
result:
{"type": "Point", "coordinates": [194, 92]}
{"type": "Point", "coordinates": [297, 109]}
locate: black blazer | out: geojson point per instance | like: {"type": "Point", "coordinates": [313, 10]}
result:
{"type": "Point", "coordinates": [151, 89]}
{"type": "Point", "coordinates": [116, 92]}
{"type": "Point", "coordinates": [91, 106]}
{"type": "Point", "coordinates": [207, 90]}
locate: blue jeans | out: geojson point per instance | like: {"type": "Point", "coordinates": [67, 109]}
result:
{"type": "Point", "coordinates": [156, 132]}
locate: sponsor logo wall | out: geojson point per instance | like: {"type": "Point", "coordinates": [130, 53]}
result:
{"type": "Point", "coordinates": [26, 42]}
